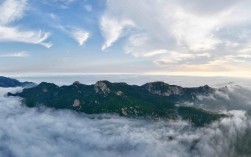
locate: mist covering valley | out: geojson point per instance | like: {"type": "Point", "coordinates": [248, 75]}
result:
{"type": "Point", "coordinates": [43, 132]}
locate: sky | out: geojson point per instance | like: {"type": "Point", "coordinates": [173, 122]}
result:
{"type": "Point", "coordinates": [156, 37]}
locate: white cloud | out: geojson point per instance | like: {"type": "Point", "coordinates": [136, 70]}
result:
{"type": "Point", "coordinates": [13, 34]}
{"type": "Point", "coordinates": [156, 52]}
{"type": "Point", "coordinates": [81, 36]}
{"type": "Point", "coordinates": [188, 28]}
{"type": "Point", "coordinates": [172, 58]}
{"type": "Point", "coordinates": [193, 31]}
{"type": "Point", "coordinates": [11, 11]}
{"type": "Point", "coordinates": [141, 45]}
{"type": "Point", "coordinates": [15, 54]}
{"type": "Point", "coordinates": [78, 34]}
{"type": "Point", "coordinates": [112, 29]}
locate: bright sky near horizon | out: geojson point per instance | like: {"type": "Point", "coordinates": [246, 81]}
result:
{"type": "Point", "coordinates": [173, 37]}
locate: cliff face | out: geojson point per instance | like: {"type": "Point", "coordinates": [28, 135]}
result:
{"type": "Point", "coordinates": [155, 100]}
{"type": "Point", "coordinates": [101, 87]}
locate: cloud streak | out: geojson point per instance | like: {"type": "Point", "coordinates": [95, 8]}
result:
{"type": "Point", "coordinates": [15, 54]}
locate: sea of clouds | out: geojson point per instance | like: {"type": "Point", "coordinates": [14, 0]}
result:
{"type": "Point", "coordinates": [41, 132]}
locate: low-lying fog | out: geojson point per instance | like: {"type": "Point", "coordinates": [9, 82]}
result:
{"type": "Point", "coordinates": [33, 132]}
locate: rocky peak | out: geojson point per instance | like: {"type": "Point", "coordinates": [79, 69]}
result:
{"type": "Point", "coordinates": [45, 84]}
{"type": "Point", "coordinates": [45, 87]}
{"type": "Point", "coordinates": [76, 83]}
{"type": "Point", "coordinates": [163, 89]}
{"type": "Point", "coordinates": [205, 89]}
{"type": "Point", "coordinates": [157, 83]}
{"type": "Point", "coordinates": [101, 86]}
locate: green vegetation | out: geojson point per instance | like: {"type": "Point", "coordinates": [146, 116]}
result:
{"type": "Point", "coordinates": [153, 100]}
{"type": "Point", "coordinates": [198, 116]}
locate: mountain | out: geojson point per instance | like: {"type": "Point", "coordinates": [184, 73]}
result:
{"type": "Point", "coordinates": [154, 100]}
{"type": "Point", "coordinates": [10, 82]}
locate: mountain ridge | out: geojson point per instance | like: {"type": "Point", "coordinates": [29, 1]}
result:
{"type": "Point", "coordinates": [11, 82]}
{"type": "Point", "coordinates": [156, 100]}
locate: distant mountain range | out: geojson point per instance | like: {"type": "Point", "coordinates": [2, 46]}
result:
{"type": "Point", "coordinates": [155, 100]}
{"type": "Point", "coordinates": [10, 82]}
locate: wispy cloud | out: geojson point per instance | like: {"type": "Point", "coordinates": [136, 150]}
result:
{"type": "Point", "coordinates": [11, 11]}
{"type": "Point", "coordinates": [188, 29]}
{"type": "Point", "coordinates": [156, 52]}
{"type": "Point", "coordinates": [80, 35]}
{"type": "Point", "coordinates": [15, 54]}
{"type": "Point", "coordinates": [112, 29]}
{"type": "Point", "coordinates": [63, 4]}
{"type": "Point", "coordinates": [141, 45]}
{"type": "Point", "coordinates": [14, 34]}
{"type": "Point", "coordinates": [172, 58]}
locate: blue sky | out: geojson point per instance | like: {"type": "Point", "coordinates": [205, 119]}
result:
{"type": "Point", "coordinates": [173, 37]}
